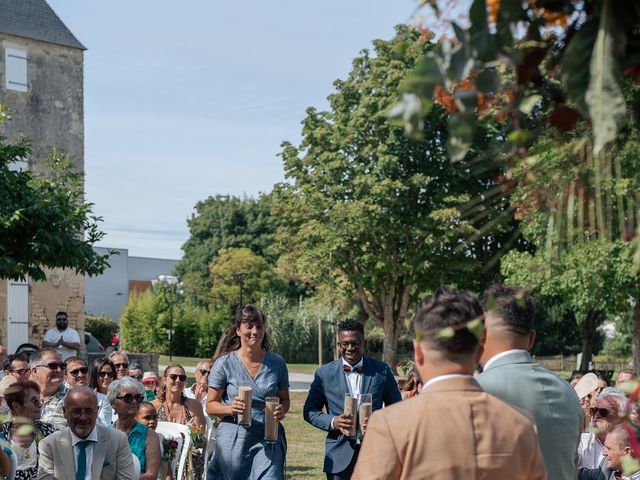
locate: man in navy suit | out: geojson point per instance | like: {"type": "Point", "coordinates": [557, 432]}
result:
{"type": "Point", "coordinates": [351, 373]}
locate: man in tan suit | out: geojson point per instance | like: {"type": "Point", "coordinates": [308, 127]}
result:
{"type": "Point", "coordinates": [452, 430]}
{"type": "Point", "coordinates": [84, 450]}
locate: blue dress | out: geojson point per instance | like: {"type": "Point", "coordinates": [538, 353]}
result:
{"type": "Point", "coordinates": [241, 452]}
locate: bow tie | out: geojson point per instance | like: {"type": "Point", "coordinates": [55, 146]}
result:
{"type": "Point", "coordinates": [348, 369]}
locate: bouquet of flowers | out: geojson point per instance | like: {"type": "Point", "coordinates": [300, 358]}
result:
{"type": "Point", "coordinates": [197, 435]}
{"type": "Point", "coordinates": [169, 447]}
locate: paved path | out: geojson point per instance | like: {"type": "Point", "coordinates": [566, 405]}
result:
{"type": "Point", "coordinates": [299, 382]}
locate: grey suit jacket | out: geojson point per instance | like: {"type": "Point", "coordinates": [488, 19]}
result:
{"type": "Point", "coordinates": [111, 456]}
{"type": "Point", "coordinates": [553, 404]}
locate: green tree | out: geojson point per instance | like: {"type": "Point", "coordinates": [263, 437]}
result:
{"type": "Point", "coordinates": [376, 206]}
{"type": "Point", "coordinates": [220, 222]}
{"type": "Point", "coordinates": [44, 220]}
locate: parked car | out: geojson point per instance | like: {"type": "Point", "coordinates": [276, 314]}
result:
{"type": "Point", "coordinates": [92, 344]}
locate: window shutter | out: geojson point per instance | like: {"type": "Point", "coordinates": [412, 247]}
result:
{"type": "Point", "coordinates": [16, 69]}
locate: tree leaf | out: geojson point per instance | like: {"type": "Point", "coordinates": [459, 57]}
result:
{"type": "Point", "coordinates": [604, 96]}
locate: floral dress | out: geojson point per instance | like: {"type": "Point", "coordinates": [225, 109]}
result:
{"type": "Point", "coordinates": [27, 457]}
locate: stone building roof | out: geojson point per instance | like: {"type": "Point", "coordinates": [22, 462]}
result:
{"type": "Point", "coordinates": [35, 19]}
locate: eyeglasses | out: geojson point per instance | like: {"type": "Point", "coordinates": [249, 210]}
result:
{"type": "Point", "coordinates": [105, 374]}
{"type": "Point", "coordinates": [129, 398]}
{"type": "Point", "coordinates": [174, 377]}
{"type": "Point", "coordinates": [204, 372]}
{"type": "Point", "coordinates": [121, 365]}
{"type": "Point", "coordinates": [78, 371]}
{"type": "Point", "coordinates": [602, 412]}
{"type": "Point", "coordinates": [355, 344]}
{"type": "Point", "coordinates": [53, 366]}
{"type": "Point", "coordinates": [19, 371]}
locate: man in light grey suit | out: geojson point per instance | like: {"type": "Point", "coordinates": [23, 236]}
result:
{"type": "Point", "coordinates": [511, 375]}
{"type": "Point", "coordinates": [84, 450]}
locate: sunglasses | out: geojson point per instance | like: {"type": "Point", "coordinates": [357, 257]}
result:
{"type": "Point", "coordinates": [137, 377]}
{"type": "Point", "coordinates": [53, 366]}
{"type": "Point", "coordinates": [20, 371]}
{"type": "Point", "coordinates": [174, 377]}
{"type": "Point", "coordinates": [121, 365]}
{"type": "Point", "coordinates": [129, 398]}
{"type": "Point", "coordinates": [204, 372]}
{"type": "Point", "coordinates": [62, 319]}
{"type": "Point", "coordinates": [105, 374]}
{"type": "Point", "coordinates": [602, 412]}
{"type": "Point", "coordinates": [78, 371]}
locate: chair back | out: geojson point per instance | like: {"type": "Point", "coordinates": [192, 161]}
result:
{"type": "Point", "coordinates": [211, 438]}
{"type": "Point", "coordinates": [182, 435]}
{"type": "Point", "coordinates": [136, 466]}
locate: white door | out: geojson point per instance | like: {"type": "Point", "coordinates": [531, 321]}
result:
{"type": "Point", "coordinates": [17, 314]}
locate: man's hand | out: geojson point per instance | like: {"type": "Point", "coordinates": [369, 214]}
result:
{"type": "Point", "coordinates": [59, 342]}
{"type": "Point", "coordinates": [343, 423]}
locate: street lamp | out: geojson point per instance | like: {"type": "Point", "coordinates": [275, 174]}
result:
{"type": "Point", "coordinates": [239, 277]}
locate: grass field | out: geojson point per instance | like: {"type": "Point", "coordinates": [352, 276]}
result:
{"type": "Point", "coordinates": [305, 444]}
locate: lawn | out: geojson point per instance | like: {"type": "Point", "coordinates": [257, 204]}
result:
{"type": "Point", "coordinates": [305, 451]}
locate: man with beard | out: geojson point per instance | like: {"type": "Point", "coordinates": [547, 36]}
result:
{"type": "Point", "coordinates": [63, 338]}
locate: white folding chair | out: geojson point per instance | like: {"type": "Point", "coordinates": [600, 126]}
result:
{"type": "Point", "coordinates": [136, 465]}
{"type": "Point", "coordinates": [182, 434]}
{"type": "Point", "coordinates": [211, 438]}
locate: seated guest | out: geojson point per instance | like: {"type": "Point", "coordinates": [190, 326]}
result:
{"type": "Point", "coordinates": [413, 385]}
{"type": "Point", "coordinates": [5, 383]}
{"type": "Point", "coordinates": [47, 371]}
{"type": "Point", "coordinates": [150, 382]}
{"type": "Point", "coordinates": [135, 371]}
{"type": "Point", "coordinates": [121, 361]}
{"type": "Point", "coordinates": [148, 416]}
{"type": "Point", "coordinates": [125, 395]}
{"type": "Point", "coordinates": [102, 374]}
{"type": "Point", "coordinates": [575, 378]}
{"type": "Point", "coordinates": [587, 391]}
{"type": "Point", "coordinates": [24, 403]}
{"type": "Point", "coordinates": [17, 366]}
{"type": "Point", "coordinates": [604, 416]}
{"type": "Point", "coordinates": [453, 430]}
{"type": "Point", "coordinates": [83, 449]}
{"type": "Point", "coordinates": [77, 374]}
{"type": "Point", "coordinates": [199, 389]}
{"type": "Point", "coordinates": [624, 375]}
{"type": "Point", "coordinates": [616, 446]}
{"type": "Point", "coordinates": [173, 406]}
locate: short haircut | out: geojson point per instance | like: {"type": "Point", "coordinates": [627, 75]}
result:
{"type": "Point", "coordinates": [71, 360]}
{"type": "Point", "coordinates": [619, 397]}
{"type": "Point", "coordinates": [627, 370]}
{"type": "Point", "coordinates": [202, 363]}
{"type": "Point", "coordinates": [443, 318]}
{"type": "Point", "coordinates": [350, 325]}
{"type": "Point", "coordinates": [38, 355]}
{"type": "Point", "coordinates": [127, 383]}
{"type": "Point", "coordinates": [79, 388]}
{"type": "Point", "coordinates": [513, 305]}
{"type": "Point", "coordinates": [116, 353]}
{"type": "Point", "coordinates": [21, 357]}
{"type": "Point", "coordinates": [17, 392]}
{"type": "Point", "coordinates": [135, 366]}
{"type": "Point", "coordinates": [62, 313]}
{"type": "Point", "coordinates": [622, 437]}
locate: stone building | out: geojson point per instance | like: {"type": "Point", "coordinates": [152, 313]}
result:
{"type": "Point", "coordinates": [41, 84]}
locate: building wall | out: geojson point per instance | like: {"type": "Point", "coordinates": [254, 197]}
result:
{"type": "Point", "coordinates": [50, 114]}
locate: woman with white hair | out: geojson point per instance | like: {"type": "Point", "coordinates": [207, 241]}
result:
{"type": "Point", "coordinates": [125, 396]}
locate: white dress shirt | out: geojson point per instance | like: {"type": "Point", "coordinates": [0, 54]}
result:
{"type": "Point", "coordinates": [439, 378]}
{"type": "Point", "coordinates": [68, 335]}
{"type": "Point", "coordinates": [92, 438]}
{"type": "Point", "coordinates": [354, 380]}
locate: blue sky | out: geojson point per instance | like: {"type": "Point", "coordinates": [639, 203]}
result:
{"type": "Point", "coordinates": [184, 100]}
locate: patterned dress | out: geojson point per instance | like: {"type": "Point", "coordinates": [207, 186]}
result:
{"type": "Point", "coordinates": [241, 452]}
{"type": "Point", "coordinates": [27, 457]}
{"type": "Point", "coordinates": [195, 467]}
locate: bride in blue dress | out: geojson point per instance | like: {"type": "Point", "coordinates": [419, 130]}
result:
{"type": "Point", "coordinates": [241, 451]}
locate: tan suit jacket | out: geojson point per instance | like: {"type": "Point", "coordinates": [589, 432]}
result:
{"type": "Point", "coordinates": [111, 456]}
{"type": "Point", "coordinates": [451, 431]}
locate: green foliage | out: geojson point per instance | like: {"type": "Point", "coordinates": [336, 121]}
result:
{"type": "Point", "coordinates": [44, 221]}
{"type": "Point", "coordinates": [293, 328]}
{"type": "Point", "coordinates": [101, 327]}
{"type": "Point", "coordinates": [224, 222]}
{"type": "Point", "coordinates": [620, 344]}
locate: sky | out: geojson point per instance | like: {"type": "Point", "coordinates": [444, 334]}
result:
{"type": "Point", "coordinates": [186, 100]}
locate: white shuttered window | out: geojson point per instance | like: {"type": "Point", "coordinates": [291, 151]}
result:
{"type": "Point", "coordinates": [15, 62]}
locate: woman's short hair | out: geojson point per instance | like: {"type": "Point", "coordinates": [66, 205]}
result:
{"type": "Point", "coordinates": [17, 391]}
{"type": "Point", "coordinates": [124, 383]}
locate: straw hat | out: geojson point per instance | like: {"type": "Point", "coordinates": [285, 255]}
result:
{"type": "Point", "coordinates": [587, 384]}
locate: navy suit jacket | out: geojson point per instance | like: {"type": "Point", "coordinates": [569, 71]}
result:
{"type": "Point", "coordinates": [327, 392]}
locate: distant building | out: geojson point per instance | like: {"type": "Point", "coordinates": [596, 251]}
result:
{"type": "Point", "coordinates": [41, 84]}
{"type": "Point", "coordinates": [108, 293]}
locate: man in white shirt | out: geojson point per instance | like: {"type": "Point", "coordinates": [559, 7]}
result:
{"type": "Point", "coordinates": [199, 389]}
{"type": "Point", "coordinates": [85, 450]}
{"type": "Point", "coordinates": [63, 338]}
{"type": "Point", "coordinates": [76, 375]}
{"type": "Point", "coordinates": [354, 374]}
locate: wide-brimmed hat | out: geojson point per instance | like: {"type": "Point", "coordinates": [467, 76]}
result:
{"type": "Point", "coordinates": [149, 377]}
{"type": "Point", "coordinates": [587, 384]}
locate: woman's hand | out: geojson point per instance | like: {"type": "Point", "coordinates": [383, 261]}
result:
{"type": "Point", "coordinates": [237, 406]}
{"type": "Point", "coordinates": [278, 413]}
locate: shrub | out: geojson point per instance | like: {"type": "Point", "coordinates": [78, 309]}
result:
{"type": "Point", "coordinates": [102, 327]}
